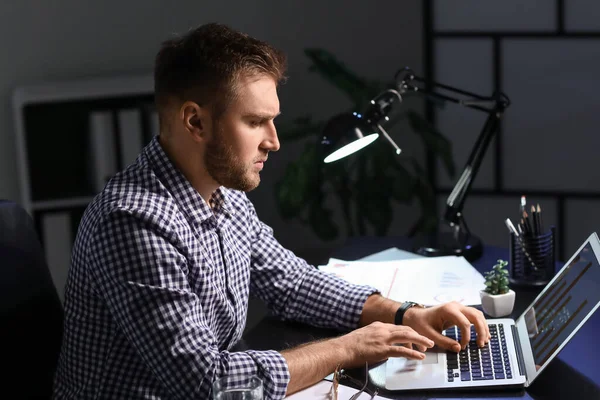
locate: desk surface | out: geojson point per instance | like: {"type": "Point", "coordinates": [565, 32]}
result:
{"type": "Point", "coordinates": [574, 374]}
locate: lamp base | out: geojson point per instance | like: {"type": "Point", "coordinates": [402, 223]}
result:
{"type": "Point", "coordinates": [448, 244]}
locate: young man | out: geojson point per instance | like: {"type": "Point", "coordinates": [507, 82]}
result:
{"type": "Point", "coordinates": [166, 255]}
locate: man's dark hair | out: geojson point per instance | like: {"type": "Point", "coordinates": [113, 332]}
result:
{"type": "Point", "coordinates": [206, 64]}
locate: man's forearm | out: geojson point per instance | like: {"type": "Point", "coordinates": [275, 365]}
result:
{"type": "Point", "coordinates": [378, 308]}
{"type": "Point", "coordinates": [311, 362]}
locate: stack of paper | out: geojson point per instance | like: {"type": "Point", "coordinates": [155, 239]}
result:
{"type": "Point", "coordinates": [425, 280]}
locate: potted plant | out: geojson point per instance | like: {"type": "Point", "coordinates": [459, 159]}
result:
{"type": "Point", "coordinates": [366, 185]}
{"type": "Point", "coordinates": [497, 299]}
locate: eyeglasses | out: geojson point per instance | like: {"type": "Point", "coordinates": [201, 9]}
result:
{"type": "Point", "coordinates": [333, 392]}
{"type": "Point", "coordinates": [339, 374]}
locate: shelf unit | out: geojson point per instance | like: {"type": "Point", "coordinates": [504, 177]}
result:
{"type": "Point", "coordinates": [70, 138]}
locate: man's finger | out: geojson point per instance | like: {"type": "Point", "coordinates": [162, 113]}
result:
{"type": "Point", "coordinates": [464, 325]}
{"type": "Point", "coordinates": [410, 336]}
{"type": "Point", "coordinates": [481, 326]}
{"type": "Point", "coordinates": [443, 341]}
{"type": "Point", "coordinates": [401, 351]}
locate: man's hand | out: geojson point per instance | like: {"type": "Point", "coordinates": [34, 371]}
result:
{"type": "Point", "coordinates": [430, 322]}
{"type": "Point", "coordinates": [372, 343]}
{"type": "Point", "coordinates": [379, 341]}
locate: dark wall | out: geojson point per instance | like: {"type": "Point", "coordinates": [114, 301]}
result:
{"type": "Point", "coordinates": [545, 55]}
{"type": "Point", "coordinates": [71, 40]}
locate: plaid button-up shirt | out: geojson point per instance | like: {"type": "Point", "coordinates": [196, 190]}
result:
{"type": "Point", "coordinates": [157, 292]}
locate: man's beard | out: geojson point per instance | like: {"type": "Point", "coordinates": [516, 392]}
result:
{"type": "Point", "coordinates": [226, 168]}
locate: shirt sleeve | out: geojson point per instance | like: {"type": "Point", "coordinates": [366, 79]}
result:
{"type": "Point", "coordinates": [294, 290]}
{"type": "Point", "coordinates": [142, 276]}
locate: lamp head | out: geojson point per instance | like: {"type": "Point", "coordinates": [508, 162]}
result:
{"type": "Point", "coordinates": [345, 134]}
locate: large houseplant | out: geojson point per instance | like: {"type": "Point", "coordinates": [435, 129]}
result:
{"type": "Point", "coordinates": [366, 184]}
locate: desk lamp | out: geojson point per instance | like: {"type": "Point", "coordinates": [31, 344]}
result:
{"type": "Point", "coordinates": [347, 133]}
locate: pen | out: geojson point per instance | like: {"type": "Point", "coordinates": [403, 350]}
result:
{"type": "Point", "coordinates": [534, 222]}
{"type": "Point", "coordinates": [539, 219]}
{"type": "Point", "coordinates": [512, 229]}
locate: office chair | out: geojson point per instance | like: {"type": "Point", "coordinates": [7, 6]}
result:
{"type": "Point", "coordinates": [31, 314]}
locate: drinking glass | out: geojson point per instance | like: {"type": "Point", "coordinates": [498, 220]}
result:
{"type": "Point", "coordinates": [236, 388]}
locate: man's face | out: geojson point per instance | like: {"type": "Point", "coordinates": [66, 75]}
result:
{"type": "Point", "coordinates": [244, 135]}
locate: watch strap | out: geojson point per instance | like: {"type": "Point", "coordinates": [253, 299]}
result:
{"type": "Point", "coordinates": [402, 310]}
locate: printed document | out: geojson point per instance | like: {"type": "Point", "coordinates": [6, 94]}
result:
{"type": "Point", "coordinates": [321, 391]}
{"type": "Point", "coordinates": [427, 280]}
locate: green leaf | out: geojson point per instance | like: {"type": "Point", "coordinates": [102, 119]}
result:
{"type": "Point", "coordinates": [373, 199]}
{"type": "Point", "coordinates": [322, 223]}
{"type": "Point", "coordinates": [378, 211]}
{"type": "Point", "coordinates": [433, 140]}
{"type": "Point", "coordinates": [358, 90]}
{"type": "Point", "coordinates": [289, 199]}
{"type": "Point", "coordinates": [299, 128]}
{"type": "Point", "coordinates": [402, 184]}
{"type": "Point", "coordinates": [426, 224]}
{"type": "Point", "coordinates": [370, 185]}
{"type": "Point", "coordinates": [300, 184]}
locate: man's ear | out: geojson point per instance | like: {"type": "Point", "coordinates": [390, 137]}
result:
{"type": "Point", "coordinates": [196, 120]}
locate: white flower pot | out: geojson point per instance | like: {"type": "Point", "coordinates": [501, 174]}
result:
{"type": "Point", "coordinates": [497, 305]}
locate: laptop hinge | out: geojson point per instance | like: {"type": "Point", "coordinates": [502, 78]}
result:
{"type": "Point", "coordinates": [519, 351]}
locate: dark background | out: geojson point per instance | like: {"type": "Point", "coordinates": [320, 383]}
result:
{"type": "Point", "coordinates": [544, 54]}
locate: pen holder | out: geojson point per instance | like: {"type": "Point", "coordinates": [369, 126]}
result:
{"type": "Point", "coordinates": [541, 249]}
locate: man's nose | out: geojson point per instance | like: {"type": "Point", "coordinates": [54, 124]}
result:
{"type": "Point", "coordinates": [272, 140]}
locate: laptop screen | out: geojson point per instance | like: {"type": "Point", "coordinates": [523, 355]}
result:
{"type": "Point", "coordinates": [565, 303]}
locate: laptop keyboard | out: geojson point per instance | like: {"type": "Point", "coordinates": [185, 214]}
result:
{"type": "Point", "coordinates": [478, 364]}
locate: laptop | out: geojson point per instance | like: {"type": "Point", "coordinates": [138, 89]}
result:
{"type": "Point", "coordinates": [519, 350]}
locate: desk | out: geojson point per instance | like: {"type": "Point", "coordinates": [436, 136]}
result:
{"type": "Point", "coordinates": [574, 374]}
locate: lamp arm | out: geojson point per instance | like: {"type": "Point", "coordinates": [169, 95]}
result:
{"type": "Point", "coordinates": [494, 106]}
{"type": "Point", "coordinates": [456, 199]}
{"type": "Point", "coordinates": [405, 82]}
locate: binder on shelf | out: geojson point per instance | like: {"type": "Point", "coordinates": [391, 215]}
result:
{"type": "Point", "coordinates": [130, 135]}
{"type": "Point", "coordinates": [103, 158]}
{"type": "Point", "coordinates": [58, 242]}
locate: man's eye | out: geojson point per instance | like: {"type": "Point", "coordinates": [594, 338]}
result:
{"type": "Point", "coordinates": [255, 124]}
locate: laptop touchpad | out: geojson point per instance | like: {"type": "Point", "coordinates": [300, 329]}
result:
{"type": "Point", "coordinates": [431, 357]}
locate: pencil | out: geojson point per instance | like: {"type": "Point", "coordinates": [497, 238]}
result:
{"type": "Point", "coordinates": [512, 229]}
{"type": "Point", "coordinates": [539, 218]}
{"type": "Point", "coordinates": [534, 221]}
{"type": "Point", "coordinates": [523, 226]}
{"type": "Point", "coordinates": [528, 228]}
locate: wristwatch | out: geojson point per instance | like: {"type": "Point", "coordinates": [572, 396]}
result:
{"type": "Point", "coordinates": [402, 310]}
